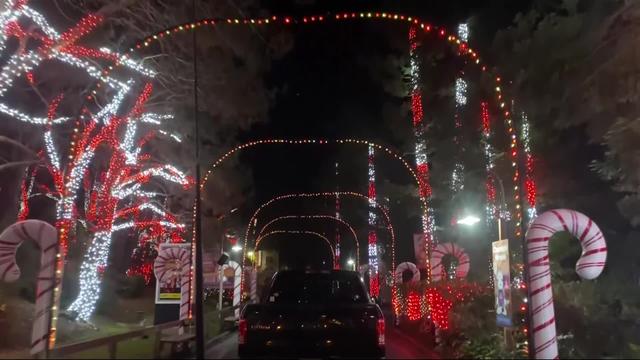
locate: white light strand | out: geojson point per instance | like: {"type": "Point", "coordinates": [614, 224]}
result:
{"type": "Point", "coordinates": [372, 241]}
{"type": "Point", "coordinates": [18, 115]}
{"type": "Point", "coordinates": [175, 137]}
{"type": "Point", "coordinates": [111, 109]}
{"type": "Point", "coordinates": [130, 64]}
{"type": "Point", "coordinates": [463, 32]}
{"type": "Point", "coordinates": [52, 153]}
{"type": "Point", "coordinates": [461, 92]}
{"type": "Point", "coordinates": [95, 261]}
{"type": "Point", "coordinates": [127, 145]}
{"type": "Point", "coordinates": [525, 134]}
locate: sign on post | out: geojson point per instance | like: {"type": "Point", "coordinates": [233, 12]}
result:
{"type": "Point", "coordinates": [502, 282]}
{"type": "Point", "coordinates": [170, 290]}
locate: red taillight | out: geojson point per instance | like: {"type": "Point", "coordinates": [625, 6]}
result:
{"type": "Point", "coordinates": [242, 331]}
{"type": "Point", "coordinates": [380, 330]}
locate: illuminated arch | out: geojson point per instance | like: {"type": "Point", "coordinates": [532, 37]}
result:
{"type": "Point", "coordinates": [304, 232]}
{"type": "Point", "coordinates": [328, 217]}
{"type": "Point", "coordinates": [327, 194]}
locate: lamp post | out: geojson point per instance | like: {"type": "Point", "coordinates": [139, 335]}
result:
{"type": "Point", "coordinates": [221, 218]}
{"type": "Point", "coordinates": [352, 264]}
{"type": "Point", "coordinates": [503, 203]}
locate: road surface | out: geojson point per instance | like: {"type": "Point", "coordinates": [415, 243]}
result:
{"type": "Point", "coordinates": [399, 346]}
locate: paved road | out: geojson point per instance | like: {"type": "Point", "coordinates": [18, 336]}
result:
{"type": "Point", "coordinates": [399, 346]}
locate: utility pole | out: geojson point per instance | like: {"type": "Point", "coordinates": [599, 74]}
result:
{"type": "Point", "coordinates": [199, 318]}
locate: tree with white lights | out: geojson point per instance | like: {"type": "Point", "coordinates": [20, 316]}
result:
{"type": "Point", "coordinates": [108, 176]}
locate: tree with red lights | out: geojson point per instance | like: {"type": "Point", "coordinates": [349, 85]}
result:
{"type": "Point", "coordinates": [107, 178]}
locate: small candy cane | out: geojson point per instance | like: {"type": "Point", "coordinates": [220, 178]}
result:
{"type": "Point", "coordinates": [174, 262]}
{"type": "Point", "coordinates": [237, 276]}
{"type": "Point", "coordinates": [449, 249]}
{"type": "Point", "coordinates": [589, 266]}
{"type": "Point", "coordinates": [45, 237]}
{"type": "Point", "coordinates": [402, 267]}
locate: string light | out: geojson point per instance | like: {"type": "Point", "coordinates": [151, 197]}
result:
{"type": "Point", "coordinates": [328, 217]}
{"type": "Point", "coordinates": [297, 232]}
{"type": "Point", "coordinates": [421, 158]}
{"type": "Point", "coordinates": [461, 92]}
{"type": "Point", "coordinates": [254, 218]}
{"type": "Point", "coordinates": [374, 275]}
{"type": "Point", "coordinates": [413, 306]}
{"type": "Point", "coordinates": [463, 32]}
{"type": "Point", "coordinates": [530, 185]}
{"type": "Point", "coordinates": [338, 229]}
{"type": "Point", "coordinates": [489, 154]}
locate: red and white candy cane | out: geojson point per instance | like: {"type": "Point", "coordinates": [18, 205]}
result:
{"type": "Point", "coordinates": [237, 277]}
{"type": "Point", "coordinates": [45, 237]}
{"type": "Point", "coordinates": [589, 266]}
{"type": "Point", "coordinates": [449, 249]}
{"type": "Point", "coordinates": [172, 263]}
{"type": "Point", "coordinates": [402, 267]}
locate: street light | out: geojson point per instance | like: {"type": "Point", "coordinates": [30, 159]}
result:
{"type": "Point", "coordinates": [468, 220]}
{"type": "Point", "coordinates": [351, 263]}
{"type": "Point", "coordinates": [236, 248]}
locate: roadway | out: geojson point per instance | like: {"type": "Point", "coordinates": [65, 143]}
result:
{"type": "Point", "coordinates": [399, 346]}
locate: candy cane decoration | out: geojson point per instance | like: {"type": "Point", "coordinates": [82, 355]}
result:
{"type": "Point", "coordinates": [589, 266]}
{"type": "Point", "coordinates": [449, 249]}
{"type": "Point", "coordinates": [45, 237]}
{"type": "Point", "coordinates": [253, 285]}
{"type": "Point", "coordinates": [237, 276]}
{"type": "Point", "coordinates": [171, 263]}
{"type": "Point", "coordinates": [402, 267]}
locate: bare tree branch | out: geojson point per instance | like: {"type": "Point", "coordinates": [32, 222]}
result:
{"type": "Point", "coordinates": [18, 163]}
{"type": "Point", "coordinates": [7, 140]}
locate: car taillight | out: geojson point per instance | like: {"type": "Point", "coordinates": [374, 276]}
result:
{"type": "Point", "coordinates": [380, 330]}
{"type": "Point", "coordinates": [242, 331]}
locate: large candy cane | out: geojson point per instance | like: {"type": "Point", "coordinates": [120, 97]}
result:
{"type": "Point", "coordinates": [589, 266]}
{"type": "Point", "coordinates": [402, 267]}
{"type": "Point", "coordinates": [171, 263]}
{"type": "Point", "coordinates": [45, 237]}
{"type": "Point", "coordinates": [449, 249]}
{"type": "Point", "coordinates": [237, 276]}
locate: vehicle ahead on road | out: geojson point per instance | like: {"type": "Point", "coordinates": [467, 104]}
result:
{"type": "Point", "coordinates": [313, 314]}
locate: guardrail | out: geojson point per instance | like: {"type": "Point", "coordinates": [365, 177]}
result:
{"type": "Point", "coordinates": [111, 342]}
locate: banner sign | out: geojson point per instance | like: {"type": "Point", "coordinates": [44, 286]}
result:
{"type": "Point", "coordinates": [502, 282]}
{"type": "Point", "coordinates": [169, 291]}
{"type": "Point", "coordinates": [420, 249]}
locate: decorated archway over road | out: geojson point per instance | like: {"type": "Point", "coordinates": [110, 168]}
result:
{"type": "Point", "coordinates": [324, 194]}
{"type": "Point", "coordinates": [298, 232]}
{"type": "Point", "coordinates": [311, 217]}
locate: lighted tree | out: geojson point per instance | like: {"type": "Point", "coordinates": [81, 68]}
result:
{"type": "Point", "coordinates": [107, 158]}
{"type": "Point", "coordinates": [119, 198]}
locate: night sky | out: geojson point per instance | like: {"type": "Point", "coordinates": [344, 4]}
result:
{"type": "Point", "coordinates": [333, 84]}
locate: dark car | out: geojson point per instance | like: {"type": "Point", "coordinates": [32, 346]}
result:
{"type": "Point", "coordinates": [313, 314]}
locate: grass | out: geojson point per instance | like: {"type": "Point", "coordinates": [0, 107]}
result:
{"type": "Point", "coordinates": [137, 348]}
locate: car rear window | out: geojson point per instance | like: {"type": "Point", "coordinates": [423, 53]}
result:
{"type": "Point", "coordinates": [317, 288]}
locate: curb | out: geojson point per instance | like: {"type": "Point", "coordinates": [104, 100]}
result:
{"type": "Point", "coordinates": [217, 338]}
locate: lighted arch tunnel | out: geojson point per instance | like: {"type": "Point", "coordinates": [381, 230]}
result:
{"type": "Point", "coordinates": [310, 142]}
{"type": "Point", "coordinates": [328, 217]}
{"type": "Point", "coordinates": [365, 198]}
{"type": "Point", "coordinates": [299, 232]}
